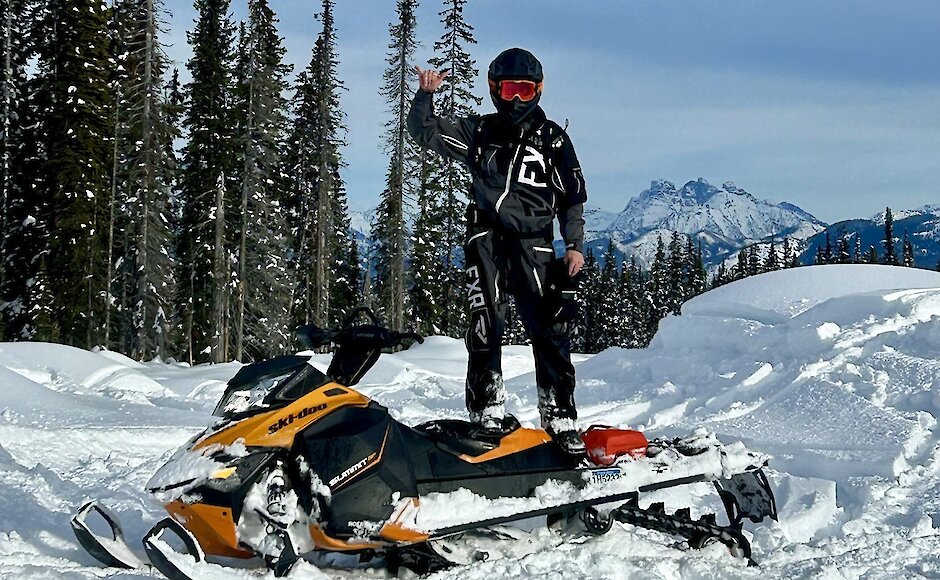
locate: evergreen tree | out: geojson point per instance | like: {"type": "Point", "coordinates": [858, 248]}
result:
{"type": "Point", "coordinates": [428, 258]}
{"type": "Point", "coordinates": [820, 256]}
{"type": "Point", "coordinates": [657, 289]}
{"type": "Point", "coordinates": [788, 254]}
{"type": "Point", "coordinates": [890, 257]}
{"type": "Point", "coordinates": [344, 267]}
{"type": "Point", "coordinates": [608, 305]}
{"type": "Point", "coordinates": [696, 275]}
{"type": "Point", "coordinates": [72, 71]}
{"type": "Point", "coordinates": [316, 197]}
{"type": "Point", "coordinates": [25, 201]}
{"type": "Point", "coordinates": [739, 271]}
{"type": "Point", "coordinates": [204, 264]}
{"type": "Point", "coordinates": [261, 299]}
{"type": "Point", "coordinates": [675, 260]}
{"type": "Point", "coordinates": [872, 257]}
{"type": "Point", "coordinates": [456, 100]}
{"type": "Point", "coordinates": [632, 290]}
{"type": "Point", "coordinates": [770, 261]}
{"type": "Point", "coordinates": [858, 249]}
{"type": "Point", "coordinates": [845, 256]}
{"type": "Point", "coordinates": [907, 252]}
{"type": "Point", "coordinates": [144, 166]}
{"type": "Point", "coordinates": [753, 261]}
{"type": "Point", "coordinates": [389, 230]}
{"type": "Point", "coordinates": [721, 276]}
{"type": "Point", "coordinates": [588, 335]}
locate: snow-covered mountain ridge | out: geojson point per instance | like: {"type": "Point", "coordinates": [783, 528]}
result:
{"type": "Point", "coordinates": [724, 219]}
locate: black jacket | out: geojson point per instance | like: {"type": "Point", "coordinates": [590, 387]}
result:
{"type": "Point", "coordinates": [523, 175]}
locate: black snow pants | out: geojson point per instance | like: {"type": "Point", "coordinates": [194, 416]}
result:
{"type": "Point", "coordinates": [498, 264]}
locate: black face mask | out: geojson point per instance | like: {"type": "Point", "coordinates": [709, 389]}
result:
{"type": "Point", "coordinates": [515, 111]}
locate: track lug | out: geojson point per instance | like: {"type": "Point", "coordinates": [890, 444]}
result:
{"type": "Point", "coordinates": [657, 508]}
{"type": "Point", "coordinates": [709, 519]}
{"type": "Point", "coordinates": [684, 513]}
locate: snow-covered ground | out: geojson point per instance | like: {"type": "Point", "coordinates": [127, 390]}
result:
{"type": "Point", "coordinates": [832, 370]}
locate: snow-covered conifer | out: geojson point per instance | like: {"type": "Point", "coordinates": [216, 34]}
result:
{"type": "Point", "coordinates": [456, 100]}
{"type": "Point", "coordinates": [261, 298]}
{"type": "Point", "coordinates": [203, 260]}
{"type": "Point", "coordinates": [390, 234]}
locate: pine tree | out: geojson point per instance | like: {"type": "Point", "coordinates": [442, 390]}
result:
{"type": "Point", "coordinates": [657, 289]}
{"type": "Point", "coordinates": [788, 256]}
{"type": "Point", "coordinates": [72, 71]}
{"type": "Point", "coordinates": [771, 262]}
{"type": "Point", "coordinates": [330, 185]}
{"type": "Point", "coordinates": [609, 323]}
{"type": "Point", "coordinates": [857, 258]}
{"type": "Point", "coordinates": [428, 257]}
{"type": "Point", "coordinates": [890, 257]}
{"type": "Point", "coordinates": [316, 193]}
{"type": "Point", "coordinates": [261, 298]}
{"type": "Point", "coordinates": [845, 257]}
{"type": "Point", "coordinates": [696, 276]}
{"type": "Point", "coordinates": [145, 167]}
{"type": "Point", "coordinates": [675, 291]}
{"type": "Point", "coordinates": [588, 338]}
{"type": "Point", "coordinates": [456, 100]}
{"type": "Point", "coordinates": [721, 276]}
{"type": "Point", "coordinates": [739, 270]}
{"type": "Point", "coordinates": [631, 291]}
{"type": "Point", "coordinates": [204, 263]}
{"type": "Point", "coordinates": [753, 261]}
{"type": "Point", "coordinates": [872, 257]}
{"type": "Point", "coordinates": [907, 251]}
{"type": "Point", "coordinates": [24, 209]}
{"type": "Point", "coordinates": [345, 271]}
{"type": "Point", "coordinates": [389, 230]}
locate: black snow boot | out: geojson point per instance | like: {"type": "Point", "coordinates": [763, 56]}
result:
{"type": "Point", "coordinates": [566, 437]}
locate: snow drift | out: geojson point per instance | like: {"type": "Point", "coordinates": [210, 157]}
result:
{"type": "Point", "coordinates": [832, 370]}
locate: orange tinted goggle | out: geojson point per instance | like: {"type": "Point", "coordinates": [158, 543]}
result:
{"type": "Point", "coordinates": [509, 90]}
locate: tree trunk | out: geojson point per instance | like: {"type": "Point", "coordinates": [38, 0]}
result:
{"type": "Point", "coordinates": [218, 350]}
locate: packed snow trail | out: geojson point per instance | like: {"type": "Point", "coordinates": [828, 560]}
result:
{"type": "Point", "coordinates": [832, 370]}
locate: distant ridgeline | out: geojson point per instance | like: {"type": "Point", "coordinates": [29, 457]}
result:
{"type": "Point", "coordinates": [724, 220]}
{"type": "Point", "coordinates": [864, 240]}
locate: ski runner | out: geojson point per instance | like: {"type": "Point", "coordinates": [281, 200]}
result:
{"type": "Point", "coordinates": [525, 173]}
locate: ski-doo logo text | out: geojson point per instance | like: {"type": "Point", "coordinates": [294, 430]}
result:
{"type": "Point", "coordinates": [285, 421]}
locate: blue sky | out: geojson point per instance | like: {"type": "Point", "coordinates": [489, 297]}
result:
{"type": "Point", "coordinates": [832, 105]}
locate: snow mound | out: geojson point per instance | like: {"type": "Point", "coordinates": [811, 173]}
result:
{"type": "Point", "coordinates": [834, 371]}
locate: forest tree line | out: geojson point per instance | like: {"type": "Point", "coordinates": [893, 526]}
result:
{"type": "Point", "coordinates": [205, 221]}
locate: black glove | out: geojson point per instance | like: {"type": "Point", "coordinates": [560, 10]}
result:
{"type": "Point", "coordinates": [562, 292]}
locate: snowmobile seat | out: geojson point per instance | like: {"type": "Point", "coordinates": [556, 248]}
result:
{"type": "Point", "coordinates": [464, 438]}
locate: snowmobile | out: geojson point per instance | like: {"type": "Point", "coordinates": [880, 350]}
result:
{"type": "Point", "coordinates": [300, 462]}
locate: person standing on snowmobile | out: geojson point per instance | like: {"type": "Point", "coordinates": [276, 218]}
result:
{"type": "Point", "coordinates": [525, 173]}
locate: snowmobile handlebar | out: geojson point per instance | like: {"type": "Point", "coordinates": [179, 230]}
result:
{"type": "Point", "coordinates": [371, 334]}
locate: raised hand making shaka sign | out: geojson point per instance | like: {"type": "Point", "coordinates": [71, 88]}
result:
{"type": "Point", "coordinates": [430, 80]}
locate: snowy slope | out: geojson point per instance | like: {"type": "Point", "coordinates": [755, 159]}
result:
{"type": "Point", "coordinates": [833, 370]}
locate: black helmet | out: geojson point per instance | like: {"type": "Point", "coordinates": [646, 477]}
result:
{"type": "Point", "coordinates": [515, 64]}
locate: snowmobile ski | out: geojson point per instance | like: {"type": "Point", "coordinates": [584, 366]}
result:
{"type": "Point", "coordinates": [163, 557]}
{"type": "Point", "coordinates": [112, 552]}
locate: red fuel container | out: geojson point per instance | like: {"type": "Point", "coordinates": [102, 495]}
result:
{"type": "Point", "coordinates": [604, 444]}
